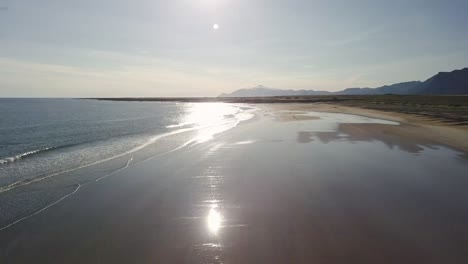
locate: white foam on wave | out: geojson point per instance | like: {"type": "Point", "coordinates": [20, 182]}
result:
{"type": "Point", "coordinates": [22, 155]}
{"type": "Point", "coordinates": [180, 125]}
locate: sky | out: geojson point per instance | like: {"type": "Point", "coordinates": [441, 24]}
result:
{"type": "Point", "coordinates": [115, 48]}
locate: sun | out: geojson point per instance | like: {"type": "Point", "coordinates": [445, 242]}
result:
{"type": "Point", "coordinates": [215, 26]}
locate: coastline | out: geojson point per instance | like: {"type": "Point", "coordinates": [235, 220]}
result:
{"type": "Point", "coordinates": [431, 131]}
{"type": "Point", "coordinates": [435, 119]}
{"type": "Point", "coordinates": [283, 187]}
{"type": "Point", "coordinates": [445, 108]}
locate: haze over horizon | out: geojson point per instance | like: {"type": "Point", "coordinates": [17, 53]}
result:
{"type": "Point", "coordinates": [205, 47]}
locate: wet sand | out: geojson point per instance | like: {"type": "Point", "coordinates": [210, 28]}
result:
{"type": "Point", "coordinates": [268, 191]}
{"type": "Point", "coordinates": [414, 128]}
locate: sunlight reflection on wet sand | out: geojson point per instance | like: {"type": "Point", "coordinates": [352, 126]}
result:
{"type": "Point", "coordinates": [213, 220]}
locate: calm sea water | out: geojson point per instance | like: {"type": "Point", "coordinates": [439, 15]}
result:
{"type": "Point", "coordinates": [40, 137]}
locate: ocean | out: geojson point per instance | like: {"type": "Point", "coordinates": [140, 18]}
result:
{"type": "Point", "coordinates": [44, 138]}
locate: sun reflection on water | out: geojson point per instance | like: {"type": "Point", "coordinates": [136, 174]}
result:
{"type": "Point", "coordinates": [202, 114]}
{"type": "Point", "coordinates": [213, 118]}
{"type": "Point", "coordinates": [213, 220]}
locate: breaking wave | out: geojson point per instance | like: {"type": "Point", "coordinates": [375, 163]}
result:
{"type": "Point", "coordinates": [24, 155]}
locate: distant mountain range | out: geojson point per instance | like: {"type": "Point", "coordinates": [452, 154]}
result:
{"type": "Point", "coordinates": [443, 83]}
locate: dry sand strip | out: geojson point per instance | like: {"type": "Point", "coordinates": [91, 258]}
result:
{"type": "Point", "coordinates": [413, 128]}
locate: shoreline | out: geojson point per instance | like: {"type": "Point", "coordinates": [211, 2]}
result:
{"type": "Point", "coordinates": [451, 109]}
{"type": "Point", "coordinates": [265, 190]}
{"type": "Point", "coordinates": [411, 126]}
{"type": "Point", "coordinates": [438, 119]}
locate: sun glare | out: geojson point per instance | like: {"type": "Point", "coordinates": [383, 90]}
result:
{"type": "Point", "coordinates": [211, 119]}
{"type": "Point", "coordinates": [215, 26]}
{"type": "Point", "coordinates": [214, 220]}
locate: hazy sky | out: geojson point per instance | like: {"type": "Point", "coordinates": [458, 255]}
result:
{"type": "Point", "coordinates": [63, 48]}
